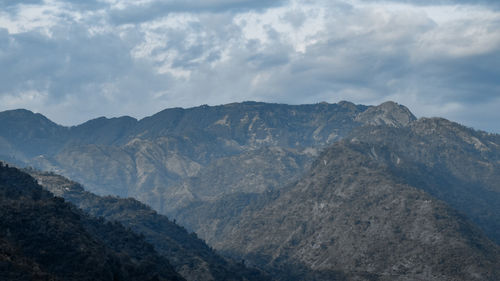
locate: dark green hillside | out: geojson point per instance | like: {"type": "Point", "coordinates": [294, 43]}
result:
{"type": "Point", "coordinates": [52, 239]}
{"type": "Point", "coordinates": [190, 256]}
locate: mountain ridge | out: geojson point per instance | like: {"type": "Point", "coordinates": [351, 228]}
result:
{"type": "Point", "coordinates": [153, 158]}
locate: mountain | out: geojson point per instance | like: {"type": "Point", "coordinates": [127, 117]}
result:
{"type": "Point", "coordinates": [38, 136]}
{"type": "Point", "coordinates": [189, 256]}
{"type": "Point", "coordinates": [351, 218]}
{"type": "Point", "coordinates": [309, 192]}
{"type": "Point", "coordinates": [430, 160]}
{"type": "Point", "coordinates": [163, 160]}
{"type": "Point", "coordinates": [44, 238]}
{"type": "Point", "coordinates": [453, 163]}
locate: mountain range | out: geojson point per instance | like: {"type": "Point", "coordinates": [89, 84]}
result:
{"type": "Point", "coordinates": [161, 160]}
{"type": "Point", "coordinates": [306, 192]}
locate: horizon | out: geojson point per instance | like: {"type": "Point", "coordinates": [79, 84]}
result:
{"type": "Point", "coordinates": [257, 102]}
{"type": "Point", "coordinates": [177, 107]}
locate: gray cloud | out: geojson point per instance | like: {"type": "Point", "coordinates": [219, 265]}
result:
{"type": "Point", "coordinates": [227, 51]}
{"type": "Point", "coordinates": [296, 18]}
{"type": "Point", "coordinates": [152, 10]}
{"type": "Point", "coordinates": [12, 3]}
{"type": "Point", "coordinates": [73, 69]}
{"type": "Point", "coordinates": [369, 67]}
{"type": "Point", "coordinates": [81, 5]}
{"type": "Point", "coordinates": [492, 3]}
{"type": "Point", "coordinates": [86, 5]}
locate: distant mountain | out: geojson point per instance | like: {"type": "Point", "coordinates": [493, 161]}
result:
{"type": "Point", "coordinates": [352, 218]}
{"type": "Point", "coordinates": [190, 256]}
{"type": "Point", "coordinates": [44, 238]}
{"type": "Point", "coordinates": [163, 160]}
{"type": "Point", "coordinates": [25, 134]}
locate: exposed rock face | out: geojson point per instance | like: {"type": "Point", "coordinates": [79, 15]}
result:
{"type": "Point", "coordinates": [381, 191]}
{"type": "Point", "coordinates": [163, 160]}
{"type": "Point", "coordinates": [351, 219]}
{"type": "Point", "coordinates": [388, 113]}
{"type": "Point", "coordinates": [451, 162]}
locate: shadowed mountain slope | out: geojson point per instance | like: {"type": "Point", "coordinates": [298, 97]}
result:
{"type": "Point", "coordinates": [44, 238]}
{"type": "Point", "coordinates": [24, 135]}
{"type": "Point", "coordinates": [190, 256]}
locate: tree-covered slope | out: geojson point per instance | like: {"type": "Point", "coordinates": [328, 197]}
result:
{"type": "Point", "coordinates": [189, 255]}
{"type": "Point", "coordinates": [44, 238]}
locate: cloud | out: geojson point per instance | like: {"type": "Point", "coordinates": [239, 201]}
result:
{"type": "Point", "coordinates": [371, 55]}
{"type": "Point", "coordinates": [295, 17]}
{"type": "Point", "coordinates": [491, 3]}
{"type": "Point", "coordinates": [90, 4]}
{"type": "Point", "coordinates": [142, 12]}
{"type": "Point", "coordinates": [14, 3]}
{"type": "Point", "coordinates": [77, 72]}
{"type": "Point", "coordinates": [76, 61]}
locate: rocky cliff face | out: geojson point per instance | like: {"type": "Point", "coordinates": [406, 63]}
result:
{"type": "Point", "coordinates": [388, 113]}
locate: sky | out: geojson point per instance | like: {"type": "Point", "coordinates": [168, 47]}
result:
{"type": "Point", "coordinates": [77, 60]}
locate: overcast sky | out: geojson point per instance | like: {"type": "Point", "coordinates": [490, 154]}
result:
{"type": "Point", "coordinates": [76, 60]}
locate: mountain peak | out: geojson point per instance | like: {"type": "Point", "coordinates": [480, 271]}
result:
{"type": "Point", "coordinates": [24, 115]}
{"type": "Point", "coordinates": [387, 113]}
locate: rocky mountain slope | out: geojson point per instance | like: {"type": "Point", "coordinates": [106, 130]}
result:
{"type": "Point", "coordinates": [163, 160]}
{"type": "Point", "coordinates": [44, 238]}
{"type": "Point", "coordinates": [190, 256]}
{"type": "Point", "coordinates": [351, 218]}
{"type": "Point", "coordinates": [453, 163]}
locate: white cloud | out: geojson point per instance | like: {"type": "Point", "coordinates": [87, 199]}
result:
{"type": "Point", "coordinates": [124, 57]}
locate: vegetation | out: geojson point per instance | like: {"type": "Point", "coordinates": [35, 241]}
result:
{"type": "Point", "coordinates": [53, 240]}
{"type": "Point", "coordinates": [189, 255]}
